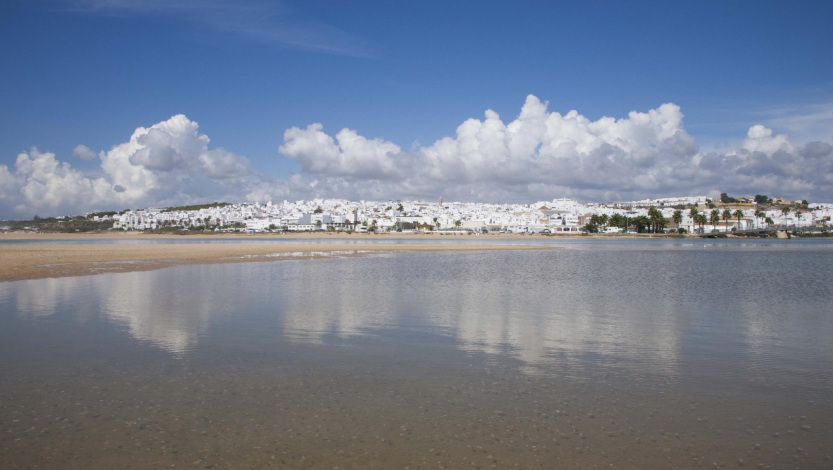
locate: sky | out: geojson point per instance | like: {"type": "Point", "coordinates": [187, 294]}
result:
{"type": "Point", "coordinates": [115, 104]}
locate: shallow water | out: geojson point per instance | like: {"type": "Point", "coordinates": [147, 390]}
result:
{"type": "Point", "coordinates": [630, 354]}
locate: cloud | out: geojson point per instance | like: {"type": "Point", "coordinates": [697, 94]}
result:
{"type": "Point", "coordinates": [168, 162]}
{"type": "Point", "coordinates": [543, 154]}
{"type": "Point", "coordinates": [40, 183]}
{"type": "Point", "coordinates": [539, 155]}
{"type": "Point", "coordinates": [349, 154]}
{"type": "Point", "coordinates": [84, 153]}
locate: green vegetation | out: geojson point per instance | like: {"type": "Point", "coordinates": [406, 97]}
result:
{"type": "Point", "coordinates": [597, 223]}
{"type": "Point", "coordinates": [653, 223]}
{"type": "Point", "coordinates": [727, 216]}
{"type": "Point", "coordinates": [739, 215]}
{"type": "Point", "coordinates": [64, 225]}
{"type": "Point", "coordinates": [678, 219]}
{"type": "Point", "coordinates": [197, 207]}
{"type": "Point", "coordinates": [714, 218]}
{"type": "Point", "coordinates": [698, 221]}
{"type": "Point", "coordinates": [658, 222]}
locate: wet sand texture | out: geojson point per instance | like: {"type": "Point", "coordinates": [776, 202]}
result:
{"type": "Point", "coordinates": [35, 261]}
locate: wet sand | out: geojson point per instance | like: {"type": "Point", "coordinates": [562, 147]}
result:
{"type": "Point", "coordinates": [44, 260]}
{"type": "Point", "coordinates": [355, 409]}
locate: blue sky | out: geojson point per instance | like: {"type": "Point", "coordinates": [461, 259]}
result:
{"type": "Point", "coordinates": [402, 76]}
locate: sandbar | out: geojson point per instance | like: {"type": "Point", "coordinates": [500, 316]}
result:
{"type": "Point", "coordinates": [54, 257]}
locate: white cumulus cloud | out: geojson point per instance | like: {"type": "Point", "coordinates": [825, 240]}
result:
{"type": "Point", "coordinates": [540, 154]}
{"type": "Point", "coordinates": [168, 162]}
{"type": "Point", "coordinates": [84, 153]}
{"type": "Point", "coordinates": [544, 154]}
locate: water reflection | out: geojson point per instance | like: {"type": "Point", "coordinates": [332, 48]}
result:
{"type": "Point", "coordinates": [612, 313]}
{"type": "Point", "coordinates": [168, 308]}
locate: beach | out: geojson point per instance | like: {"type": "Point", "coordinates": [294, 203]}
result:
{"type": "Point", "coordinates": [62, 255]}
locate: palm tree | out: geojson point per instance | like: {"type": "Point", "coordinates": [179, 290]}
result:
{"type": "Point", "coordinates": [784, 211]}
{"type": "Point", "coordinates": [727, 216]}
{"type": "Point", "coordinates": [768, 221]}
{"type": "Point", "coordinates": [701, 221]}
{"type": "Point", "coordinates": [693, 214]}
{"type": "Point", "coordinates": [798, 215]}
{"type": "Point", "coordinates": [714, 218]}
{"type": "Point", "coordinates": [739, 215]}
{"type": "Point", "coordinates": [640, 222]}
{"type": "Point", "coordinates": [657, 221]}
{"type": "Point", "coordinates": [759, 214]}
{"type": "Point", "coordinates": [677, 218]}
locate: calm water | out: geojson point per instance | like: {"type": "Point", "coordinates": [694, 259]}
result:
{"type": "Point", "coordinates": [630, 354]}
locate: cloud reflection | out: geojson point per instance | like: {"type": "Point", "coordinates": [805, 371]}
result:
{"type": "Point", "coordinates": [556, 312]}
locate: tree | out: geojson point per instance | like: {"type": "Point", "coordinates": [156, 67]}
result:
{"type": "Point", "coordinates": [714, 218]}
{"type": "Point", "coordinates": [727, 216]}
{"type": "Point", "coordinates": [761, 199]}
{"type": "Point", "coordinates": [597, 223]}
{"type": "Point", "coordinates": [457, 223]}
{"type": "Point", "coordinates": [656, 218]}
{"type": "Point", "coordinates": [692, 213]}
{"type": "Point", "coordinates": [592, 225]}
{"type": "Point", "coordinates": [640, 222]}
{"type": "Point", "coordinates": [759, 214]}
{"type": "Point", "coordinates": [769, 221]}
{"type": "Point", "coordinates": [798, 215]}
{"type": "Point", "coordinates": [603, 220]}
{"type": "Point", "coordinates": [318, 210]}
{"type": "Point", "coordinates": [701, 220]}
{"type": "Point", "coordinates": [739, 215]}
{"type": "Point", "coordinates": [436, 224]}
{"type": "Point", "coordinates": [677, 218]}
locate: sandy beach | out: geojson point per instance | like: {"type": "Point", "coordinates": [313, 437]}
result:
{"type": "Point", "coordinates": [61, 259]}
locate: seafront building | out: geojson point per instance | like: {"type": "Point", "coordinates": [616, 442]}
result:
{"type": "Point", "coordinates": [555, 216]}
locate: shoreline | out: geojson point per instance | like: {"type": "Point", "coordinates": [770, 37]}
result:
{"type": "Point", "coordinates": [139, 235]}
{"type": "Point", "coordinates": [48, 260]}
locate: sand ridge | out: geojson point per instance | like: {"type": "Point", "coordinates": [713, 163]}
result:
{"type": "Point", "coordinates": [43, 260]}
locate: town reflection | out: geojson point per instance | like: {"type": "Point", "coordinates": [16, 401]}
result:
{"type": "Point", "coordinates": [169, 308]}
{"type": "Point", "coordinates": [536, 319]}
{"type": "Point", "coordinates": [544, 309]}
